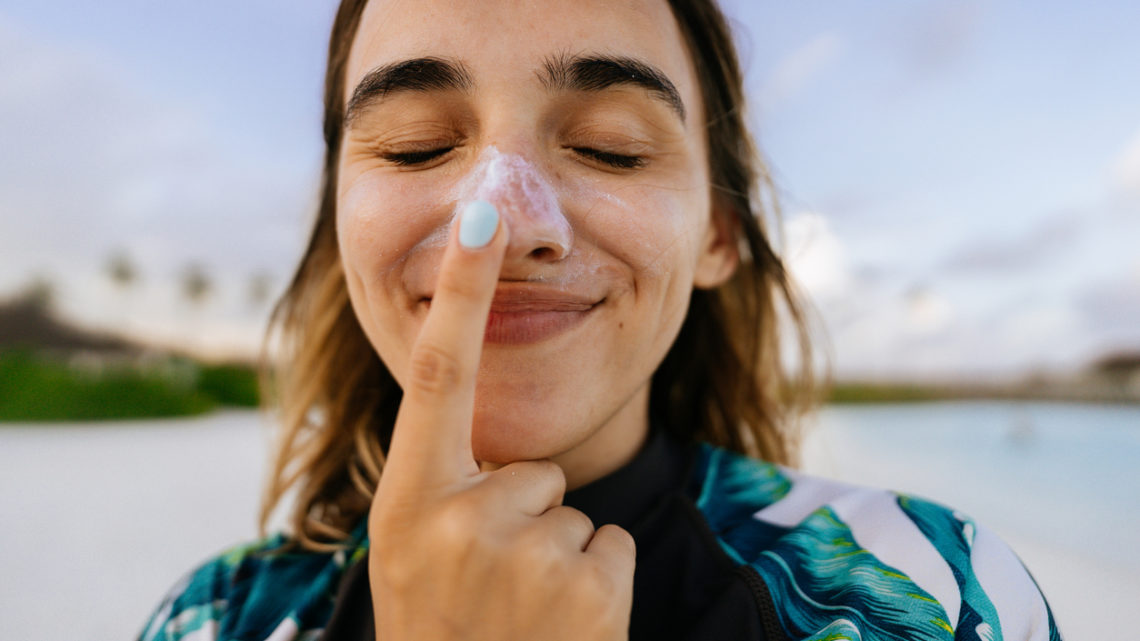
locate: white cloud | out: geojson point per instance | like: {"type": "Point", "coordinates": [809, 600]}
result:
{"type": "Point", "coordinates": [928, 312]}
{"type": "Point", "coordinates": [1125, 172]}
{"type": "Point", "coordinates": [815, 256]}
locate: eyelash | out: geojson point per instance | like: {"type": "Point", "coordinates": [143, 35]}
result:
{"type": "Point", "coordinates": [412, 158]}
{"type": "Point", "coordinates": [617, 161]}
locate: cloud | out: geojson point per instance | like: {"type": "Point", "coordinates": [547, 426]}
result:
{"type": "Point", "coordinates": [1111, 307]}
{"type": "Point", "coordinates": [928, 312]}
{"type": "Point", "coordinates": [1125, 172]}
{"type": "Point", "coordinates": [95, 162]}
{"type": "Point", "coordinates": [878, 324]}
{"type": "Point", "coordinates": [885, 323]}
{"type": "Point", "coordinates": [796, 70]}
{"type": "Point", "coordinates": [1045, 241]}
{"type": "Point", "coordinates": [815, 256]}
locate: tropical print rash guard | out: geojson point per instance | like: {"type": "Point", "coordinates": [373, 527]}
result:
{"type": "Point", "coordinates": [845, 562]}
{"type": "Point", "coordinates": [728, 548]}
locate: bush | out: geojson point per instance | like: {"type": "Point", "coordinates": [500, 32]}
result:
{"type": "Point", "coordinates": [857, 393]}
{"type": "Point", "coordinates": [38, 388]}
{"type": "Point", "coordinates": [230, 384]}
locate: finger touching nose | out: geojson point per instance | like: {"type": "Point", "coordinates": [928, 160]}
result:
{"type": "Point", "coordinates": [539, 232]}
{"type": "Point", "coordinates": [528, 204]}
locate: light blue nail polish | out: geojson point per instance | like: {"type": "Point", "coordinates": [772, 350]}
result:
{"type": "Point", "coordinates": [477, 224]}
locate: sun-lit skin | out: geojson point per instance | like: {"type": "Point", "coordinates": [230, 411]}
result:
{"type": "Point", "coordinates": [641, 237]}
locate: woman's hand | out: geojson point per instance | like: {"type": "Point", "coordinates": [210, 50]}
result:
{"type": "Point", "coordinates": [457, 553]}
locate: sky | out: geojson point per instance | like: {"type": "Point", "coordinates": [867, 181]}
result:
{"type": "Point", "coordinates": [959, 179]}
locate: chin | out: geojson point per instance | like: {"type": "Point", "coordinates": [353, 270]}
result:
{"type": "Point", "coordinates": [519, 434]}
{"type": "Point", "coordinates": [523, 413]}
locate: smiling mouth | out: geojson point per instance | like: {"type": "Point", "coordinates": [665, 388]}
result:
{"type": "Point", "coordinates": [522, 315]}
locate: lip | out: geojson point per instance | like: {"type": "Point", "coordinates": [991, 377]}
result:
{"type": "Point", "coordinates": [522, 314]}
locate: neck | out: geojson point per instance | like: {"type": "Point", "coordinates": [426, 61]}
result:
{"type": "Point", "coordinates": [611, 446]}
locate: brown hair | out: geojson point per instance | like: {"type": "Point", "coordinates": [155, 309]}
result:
{"type": "Point", "coordinates": [722, 381]}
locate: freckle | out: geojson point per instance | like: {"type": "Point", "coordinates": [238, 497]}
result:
{"type": "Point", "coordinates": [621, 325]}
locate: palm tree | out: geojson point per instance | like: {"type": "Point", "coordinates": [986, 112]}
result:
{"type": "Point", "coordinates": [121, 269]}
{"type": "Point", "coordinates": [197, 285]}
{"type": "Point", "coordinates": [124, 276]}
{"type": "Point", "coordinates": [40, 293]}
{"type": "Point", "coordinates": [260, 289]}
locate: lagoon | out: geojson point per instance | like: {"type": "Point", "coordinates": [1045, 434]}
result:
{"type": "Point", "coordinates": [100, 519]}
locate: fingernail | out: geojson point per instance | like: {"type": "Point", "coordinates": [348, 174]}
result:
{"type": "Point", "coordinates": [477, 224]}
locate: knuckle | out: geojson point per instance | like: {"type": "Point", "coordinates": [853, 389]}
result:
{"type": "Point", "coordinates": [434, 371]}
{"type": "Point", "coordinates": [551, 471]}
{"type": "Point", "coordinates": [544, 472]}
{"type": "Point", "coordinates": [619, 536]}
{"type": "Point", "coordinates": [584, 521]}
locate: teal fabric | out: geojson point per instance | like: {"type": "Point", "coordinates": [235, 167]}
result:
{"type": "Point", "coordinates": [823, 583]}
{"type": "Point", "coordinates": [253, 590]}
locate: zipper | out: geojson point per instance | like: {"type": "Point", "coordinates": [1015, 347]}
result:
{"type": "Point", "coordinates": [769, 618]}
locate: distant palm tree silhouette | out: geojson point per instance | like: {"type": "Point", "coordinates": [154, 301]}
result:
{"type": "Point", "coordinates": [121, 270]}
{"type": "Point", "coordinates": [124, 276]}
{"type": "Point", "coordinates": [260, 289]}
{"type": "Point", "coordinates": [196, 284]}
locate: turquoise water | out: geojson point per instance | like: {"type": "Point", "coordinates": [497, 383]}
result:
{"type": "Point", "coordinates": [1058, 482]}
{"type": "Point", "coordinates": [1064, 475]}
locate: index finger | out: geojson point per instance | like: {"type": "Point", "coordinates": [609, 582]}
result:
{"type": "Point", "coordinates": [432, 435]}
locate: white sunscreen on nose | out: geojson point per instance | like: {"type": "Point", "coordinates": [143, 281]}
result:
{"type": "Point", "coordinates": [525, 199]}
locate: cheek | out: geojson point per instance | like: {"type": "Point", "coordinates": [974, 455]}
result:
{"type": "Point", "coordinates": [380, 223]}
{"type": "Point", "coordinates": [380, 220]}
{"type": "Point", "coordinates": [652, 230]}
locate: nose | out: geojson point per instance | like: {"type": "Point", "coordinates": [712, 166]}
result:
{"type": "Point", "coordinates": [527, 202]}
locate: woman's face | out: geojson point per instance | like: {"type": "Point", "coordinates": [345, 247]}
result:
{"type": "Point", "coordinates": [580, 120]}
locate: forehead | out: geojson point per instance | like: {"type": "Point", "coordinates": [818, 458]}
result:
{"type": "Point", "coordinates": [509, 39]}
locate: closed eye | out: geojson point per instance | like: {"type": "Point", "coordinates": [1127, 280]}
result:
{"type": "Point", "coordinates": [620, 161]}
{"type": "Point", "coordinates": [412, 158]}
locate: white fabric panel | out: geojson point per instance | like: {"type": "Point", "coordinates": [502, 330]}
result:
{"type": "Point", "coordinates": [208, 632]}
{"type": "Point", "coordinates": [878, 525]}
{"type": "Point", "coordinates": [882, 528]}
{"type": "Point", "coordinates": [805, 497]}
{"type": "Point", "coordinates": [209, 628]}
{"type": "Point", "coordinates": [286, 631]}
{"type": "Point", "coordinates": [1019, 604]}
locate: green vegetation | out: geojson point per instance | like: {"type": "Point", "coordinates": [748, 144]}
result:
{"type": "Point", "coordinates": [35, 387]}
{"type": "Point", "coordinates": [47, 386]}
{"type": "Point", "coordinates": [854, 393]}
{"type": "Point", "coordinates": [229, 384]}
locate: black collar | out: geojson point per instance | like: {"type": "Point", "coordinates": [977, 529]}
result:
{"type": "Point", "coordinates": [626, 495]}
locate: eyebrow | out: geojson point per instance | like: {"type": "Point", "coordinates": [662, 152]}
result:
{"type": "Point", "coordinates": [599, 72]}
{"type": "Point", "coordinates": [561, 73]}
{"type": "Point", "coordinates": [414, 75]}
